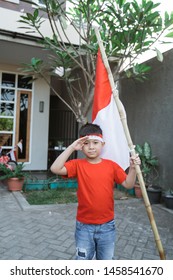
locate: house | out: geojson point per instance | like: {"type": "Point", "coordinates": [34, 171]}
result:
{"type": "Point", "coordinates": [34, 115]}
{"type": "Point", "coordinates": [39, 118]}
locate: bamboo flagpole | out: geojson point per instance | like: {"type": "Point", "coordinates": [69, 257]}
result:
{"type": "Point", "coordinates": [131, 146]}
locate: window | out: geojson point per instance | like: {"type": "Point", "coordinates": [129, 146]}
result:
{"type": "Point", "coordinates": [15, 110]}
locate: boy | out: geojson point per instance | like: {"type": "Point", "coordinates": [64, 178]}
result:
{"type": "Point", "coordinates": [95, 225]}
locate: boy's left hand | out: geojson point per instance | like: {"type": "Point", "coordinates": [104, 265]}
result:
{"type": "Point", "coordinates": [135, 160]}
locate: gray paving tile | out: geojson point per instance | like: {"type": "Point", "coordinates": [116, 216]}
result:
{"type": "Point", "coordinates": [47, 232]}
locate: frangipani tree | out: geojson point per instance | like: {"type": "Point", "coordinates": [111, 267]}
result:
{"type": "Point", "coordinates": [128, 29]}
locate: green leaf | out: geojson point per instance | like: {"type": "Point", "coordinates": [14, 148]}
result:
{"type": "Point", "coordinates": [136, 7]}
{"type": "Point", "coordinates": [169, 35]}
{"type": "Point", "coordinates": [147, 150]}
{"type": "Point", "coordinates": [148, 7]}
{"type": "Point", "coordinates": [166, 18]}
{"type": "Point", "coordinates": [120, 3]}
{"type": "Point", "coordinates": [126, 7]}
{"type": "Point", "coordinates": [139, 149]}
{"type": "Point", "coordinates": [36, 14]}
{"type": "Point", "coordinates": [153, 162]}
{"type": "Point", "coordinates": [35, 61]}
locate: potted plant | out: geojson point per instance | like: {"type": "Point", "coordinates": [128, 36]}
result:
{"type": "Point", "coordinates": [168, 198]}
{"type": "Point", "coordinates": [34, 183]}
{"type": "Point", "coordinates": [58, 182]}
{"type": "Point", "coordinates": [13, 176]}
{"type": "Point", "coordinates": [149, 169]}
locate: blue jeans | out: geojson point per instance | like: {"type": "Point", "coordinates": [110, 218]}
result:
{"type": "Point", "coordinates": [95, 241]}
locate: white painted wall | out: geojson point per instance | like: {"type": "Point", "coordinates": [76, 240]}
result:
{"type": "Point", "coordinates": [13, 25]}
{"type": "Point", "coordinates": [39, 127]}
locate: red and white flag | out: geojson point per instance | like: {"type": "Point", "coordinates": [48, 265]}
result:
{"type": "Point", "coordinates": [106, 115]}
{"type": "Point", "coordinates": [12, 152]}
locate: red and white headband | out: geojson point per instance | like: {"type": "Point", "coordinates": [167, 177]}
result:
{"type": "Point", "coordinates": [98, 137]}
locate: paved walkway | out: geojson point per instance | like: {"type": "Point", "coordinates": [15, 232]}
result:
{"type": "Point", "coordinates": [47, 232]}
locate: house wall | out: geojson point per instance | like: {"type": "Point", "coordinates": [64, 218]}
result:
{"type": "Point", "coordinates": [39, 127]}
{"type": "Point", "coordinates": [13, 25]}
{"type": "Point", "coordinates": [150, 113]}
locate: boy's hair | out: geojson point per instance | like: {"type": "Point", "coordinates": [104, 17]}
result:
{"type": "Point", "coordinates": [90, 128]}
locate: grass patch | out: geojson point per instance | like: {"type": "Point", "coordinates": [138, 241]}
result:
{"type": "Point", "coordinates": [57, 196]}
{"type": "Point", "coordinates": [61, 196]}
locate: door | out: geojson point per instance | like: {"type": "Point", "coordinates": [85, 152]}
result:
{"type": "Point", "coordinates": [23, 120]}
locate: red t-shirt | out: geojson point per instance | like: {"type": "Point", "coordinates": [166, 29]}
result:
{"type": "Point", "coordinates": [95, 188]}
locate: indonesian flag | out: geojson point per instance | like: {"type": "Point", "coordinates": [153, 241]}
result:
{"type": "Point", "coordinates": [106, 115]}
{"type": "Point", "coordinates": [12, 152]}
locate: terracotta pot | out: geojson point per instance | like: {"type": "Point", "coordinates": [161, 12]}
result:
{"type": "Point", "coordinates": [138, 192]}
{"type": "Point", "coordinates": [15, 184]}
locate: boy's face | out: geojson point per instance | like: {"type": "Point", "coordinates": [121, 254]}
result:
{"type": "Point", "coordinates": [92, 148]}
